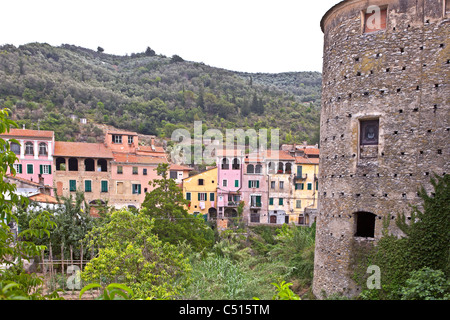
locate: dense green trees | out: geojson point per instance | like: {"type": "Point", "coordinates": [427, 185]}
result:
{"type": "Point", "coordinates": [173, 224]}
{"type": "Point", "coordinates": [138, 92]}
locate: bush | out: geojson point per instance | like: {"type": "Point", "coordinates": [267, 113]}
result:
{"type": "Point", "coordinates": [426, 284]}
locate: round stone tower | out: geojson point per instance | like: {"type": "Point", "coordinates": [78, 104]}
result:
{"type": "Point", "coordinates": [384, 124]}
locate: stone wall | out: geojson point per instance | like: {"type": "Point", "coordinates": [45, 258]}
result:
{"type": "Point", "coordinates": [400, 77]}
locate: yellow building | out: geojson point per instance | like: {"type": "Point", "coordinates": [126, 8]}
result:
{"type": "Point", "coordinates": [200, 191]}
{"type": "Point", "coordinates": [305, 187]}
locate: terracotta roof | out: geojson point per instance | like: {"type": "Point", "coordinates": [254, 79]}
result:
{"type": "Point", "coordinates": [194, 175]}
{"type": "Point", "coordinates": [311, 151]}
{"type": "Point", "coordinates": [306, 160]}
{"type": "Point", "coordinates": [29, 133]}
{"type": "Point", "coordinates": [40, 197]}
{"type": "Point", "coordinates": [175, 166]}
{"type": "Point", "coordinates": [128, 133]}
{"type": "Point", "coordinates": [134, 158]}
{"type": "Point", "coordinates": [81, 150]}
{"type": "Point", "coordinates": [148, 149]}
{"type": "Point", "coordinates": [9, 176]}
{"type": "Point", "coordinates": [278, 154]}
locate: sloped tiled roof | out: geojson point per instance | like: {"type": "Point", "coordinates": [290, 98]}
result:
{"type": "Point", "coordinates": [29, 133]}
{"type": "Point", "coordinates": [45, 198]}
{"type": "Point", "coordinates": [81, 150]}
{"type": "Point", "coordinates": [179, 167]}
{"type": "Point", "coordinates": [306, 160]}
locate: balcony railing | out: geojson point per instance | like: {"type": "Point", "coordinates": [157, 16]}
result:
{"type": "Point", "coordinates": [233, 203]}
{"type": "Point", "coordinates": [302, 177]}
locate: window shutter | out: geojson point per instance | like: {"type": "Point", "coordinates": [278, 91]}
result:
{"type": "Point", "coordinates": [139, 189]}
{"type": "Point", "coordinates": [280, 201]}
{"type": "Point", "coordinates": [198, 196]}
{"type": "Point", "coordinates": [20, 168]}
{"type": "Point", "coordinates": [271, 201]}
{"type": "Point", "coordinates": [87, 186]}
{"type": "Point", "coordinates": [309, 186]}
{"type": "Point", "coordinates": [104, 186]}
{"type": "Point", "coordinates": [299, 171]}
{"type": "Point", "coordinates": [257, 184]}
{"type": "Point", "coordinates": [73, 185]}
{"type": "Point", "coordinates": [211, 196]}
{"type": "Point", "coordinates": [188, 196]}
{"type": "Point", "coordinates": [236, 183]}
{"type": "Point", "coordinates": [302, 186]}
{"type": "Point", "coordinates": [249, 183]}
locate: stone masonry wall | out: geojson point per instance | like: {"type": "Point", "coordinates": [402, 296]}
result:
{"type": "Point", "coordinates": [399, 75]}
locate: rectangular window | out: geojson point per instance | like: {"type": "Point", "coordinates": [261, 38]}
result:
{"type": "Point", "coordinates": [369, 132]}
{"type": "Point", "coordinates": [272, 184]}
{"type": "Point", "coordinates": [211, 196]}
{"type": "Point", "coordinates": [201, 196]}
{"type": "Point", "coordinates": [104, 186]}
{"type": "Point", "coordinates": [117, 139]}
{"type": "Point", "coordinates": [130, 139]}
{"type": "Point", "coordinates": [119, 169]}
{"type": "Point", "coordinates": [281, 184]}
{"type": "Point", "coordinates": [18, 167]}
{"type": "Point", "coordinates": [144, 172]}
{"type": "Point", "coordinates": [298, 204]}
{"type": "Point", "coordinates": [299, 171]}
{"type": "Point", "coordinates": [45, 169]}
{"type": "Point", "coordinates": [135, 170]}
{"type": "Point", "coordinates": [224, 182]}
{"type": "Point", "coordinates": [271, 201]}
{"type": "Point", "coordinates": [280, 201]}
{"type": "Point", "coordinates": [253, 183]}
{"type": "Point", "coordinates": [317, 185]}
{"type": "Point", "coordinates": [302, 186]}
{"type": "Point", "coordinates": [87, 186]}
{"type": "Point", "coordinates": [30, 169]}
{"type": "Point", "coordinates": [309, 186]}
{"type": "Point", "coordinates": [188, 196]}
{"type": "Point", "coordinates": [72, 185]}
{"type": "Point", "coordinates": [375, 18]}
{"type": "Point", "coordinates": [236, 183]}
{"type": "Point", "coordinates": [201, 182]}
{"type": "Point", "coordinates": [136, 189]}
{"type": "Point", "coordinates": [173, 175]}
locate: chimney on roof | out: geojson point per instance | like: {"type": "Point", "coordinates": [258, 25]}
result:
{"type": "Point", "coordinates": [41, 180]}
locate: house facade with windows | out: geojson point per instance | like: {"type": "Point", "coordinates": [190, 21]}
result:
{"type": "Point", "coordinates": [34, 150]}
{"type": "Point", "coordinates": [133, 168]}
{"type": "Point", "coordinates": [201, 192]}
{"type": "Point", "coordinates": [280, 166]}
{"type": "Point", "coordinates": [229, 181]}
{"type": "Point", "coordinates": [84, 167]}
{"type": "Point", "coordinates": [305, 188]}
{"type": "Point", "coordinates": [255, 193]}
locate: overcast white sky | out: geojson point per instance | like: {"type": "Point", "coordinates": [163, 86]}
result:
{"type": "Point", "coordinates": [240, 35]}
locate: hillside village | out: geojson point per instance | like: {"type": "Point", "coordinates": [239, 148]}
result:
{"type": "Point", "coordinates": [276, 186]}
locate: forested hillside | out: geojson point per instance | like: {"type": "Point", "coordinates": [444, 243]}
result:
{"type": "Point", "coordinates": [52, 87]}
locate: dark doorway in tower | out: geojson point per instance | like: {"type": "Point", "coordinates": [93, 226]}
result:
{"type": "Point", "coordinates": [365, 224]}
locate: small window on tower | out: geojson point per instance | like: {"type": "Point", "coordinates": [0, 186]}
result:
{"type": "Point", "coordinates": [375, 18]}
{"type": "Point", "coordinates": [369, 132]}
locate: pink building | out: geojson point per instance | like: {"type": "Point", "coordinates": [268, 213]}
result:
{"type": "Point", "coordinates": [255, 191]}
{"type": "Point", "coordinates": [229, 185]}
{"type": "Point", "coordinates": [35, 153]}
